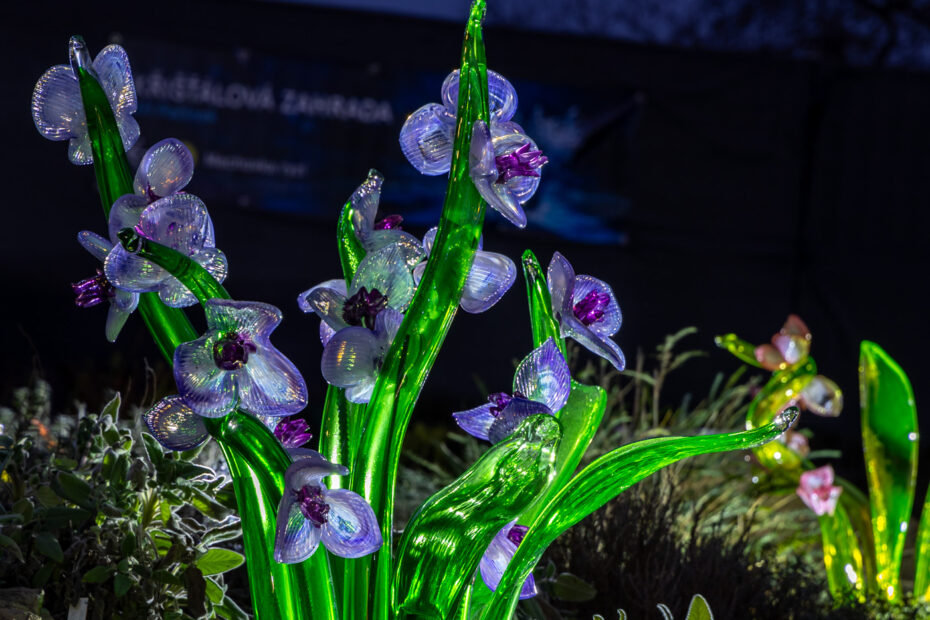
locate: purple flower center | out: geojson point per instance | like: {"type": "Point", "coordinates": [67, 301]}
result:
{"type": "Point", "coordinates": [92, 291]}
{"type": "Point", "coordinates": [591, 308]}
{"type": "Point", "coordinates": [390, 222]}
{"type": "Point", "coordinates": [516, 534]}
{"type": "Point", "coordinates": [231, 351]}
{"type": "Point", "coordinates": [499, 400]}
{"type": "Point", "coordinates": [519, 163]}
{"type": "Point", "coordinates": [312, 505]}
{"type": "Point", "coordinates": [293, 433]}
{"type": "Point", "coordinates": [362, 308]}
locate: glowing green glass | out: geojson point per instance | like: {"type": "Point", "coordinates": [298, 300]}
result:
{"type": "Point", "coordinates": [604, 479]}
{"type": "Point", "coordinates": [889, 439]}
{"type": "Point", "coordinates": [922, 574]}
{"type": "Point", "coordinates": [841, 556]}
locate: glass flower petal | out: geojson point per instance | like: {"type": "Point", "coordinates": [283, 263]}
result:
{"type": "Point", "coordinates": [166, 168]}
{"type": "Point", "coordinates": [58, 112]}
{"type": "Point", "coordinates": [254, 318]}
{"type": "Point", "coordinates": [179, 221]}
{"type": "Point", "coordinates": [605, 347]}
{"type": "Point", "coordinates": [95, 244]}
{"type": "Point", "coordinates": [175, 425]}
{"type": "Point", "coordinates": [477, 421]}
{"type": "Point", "coordinates": [296, 539]}
{"type": "Point", "coordinates": [270, 384]}
{"type": "Point", "coordinates": [816, 489]}
{"type": "Point", "coordinates": [174, 294]}
{"type": "Point", "coordinates": [327, 300]}
{"type": "Point", "coordinates": [131, 273]}
{"type": "Point", "coordinates": [512, 415]}
{"type": "Point", "coordinates": [112, 68]}
{"type": "Point", "coordinates": [769, 357]}
{"type": "Point", "coordinates": [386, 270]}
{"type": "Point", "coordinates": [561, 280]}
{"type": "Point", "coordinates": [349, 357]}
{"type": "Point", "coordinates": [309, 467]}
{"type": "Point", "coordinates": [426, 139]}
{"type": "Point", "coordinates": [351, 529]}
{"type": "Point", "coordinates": [207, 389]}
{"type": "Point", "coordinates": [490, 277]}
{"type": "Point", "coordinates": [823, 397]}
{"type": "Point", "coordinates": [495, 560]}
{"type": "Point", "coordinates": [502, 98]}
{"type": "Point", "coordinates": [125, 213]}
{"type": "Point", "coordinates": [543, 376]}
{"type": "Point", "coordinates": [611, 319]}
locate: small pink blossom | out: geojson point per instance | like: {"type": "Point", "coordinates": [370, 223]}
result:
{"type": "Point", "coordinates": [817, 490]}
{"type": "Point", "coordinates": [797, 442]}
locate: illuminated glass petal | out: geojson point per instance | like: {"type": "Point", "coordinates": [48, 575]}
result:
{"type": "Point", "coordinates": [543, 376]}
{"type": "Point", "coordinates": [502, 98]}
{"type": "Point", "coordinates": [426, 139]}
{"type": "Point", "coordinates": [296, 539]}
{"type": "Point", "coordinates": [165, 169]}
{"type": "Point", "coordinates": [95, 244]}
{"type": "Point", "coordinates": [597, 344]}
{"type": "Point", "coordinates": [560, 278]}
{"type": "Point", "coordinates": [770, 358]}
{"type": "Point", "coordinates": [327, 300]}
{"type": "Point", "coordinates": [174, 294]}
{"type": "Point", "coordinates": [364, 203]}
{"type": "Point", "coordinates": [121, 306]}
{"type": "Point", "coordinates": [816, 490]}
{"type": "Point", "coordinates": [512, 415]}
{"type": "Point", "coordinates": [309, 468]}
{"type": "Point", "coordinates": [476, 421]}
{"type": "Point", "coordinates": [175, 425]}
{"type": "Point", "coordinates": [252, 318]}
{"type": "Point", "coordinates": [520, 188]}
{"type": "Point", "coordinates": [208, 390]}
{"type": "Point", "coordinates": [609, 323]}
{"type": "Point", "coordinates": [58, 112]}
{"type": "Point", "coordinates": [271, 385]}
{"type": "Point", "coordinates": [495, 560]}
{"type": "Point", "coordinates": [180, 222]}
{"type": "Point", "coordinates": [823, 397]}
{"type": "Point", "coordinates": [351, 529]}
{"type": "Point", "coordinates": [349, 357]}
{"type": "Point", "coordinates": [131, 273]}
{"type": "Point", "coordinates": [386, 270]}
{"type": "Point", "coordinates": [125, 213]}
{"type": "Point", "coordinates": [115, 76]}
{"type": "Point", "coordinates": [490, 277]}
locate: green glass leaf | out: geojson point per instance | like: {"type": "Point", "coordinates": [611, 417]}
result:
{"type": "Point", "coordinates": [334, 432]}
{"type": "Point", "coordinates": [889, 438]}
{"type": "Point", "coordinates": [699, 609]}
{"type": "Point", "coordinates": [216, 561]}
{"type": "Point", "coordinates": [922, 574]}
{"type": "Point", "coordinates": [841, 556]}
{"type": "Point", "coordinates": [781, 390]}
{"type": "Point", "coordinates": [446, 538]}
{"type": "Point", "coordinates": [744, 351]}
{"type": "Point", "coordinates": [604, 479]}
{"type": "Point", "coordinates": [351, 252]}
{"type": "Point", "coordinates": [421, 334]}
{"type": "Point", "coordinates": [542, 322]}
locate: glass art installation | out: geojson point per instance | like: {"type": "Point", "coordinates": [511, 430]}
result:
{"type": "Point", "coordinates": [318, 524]}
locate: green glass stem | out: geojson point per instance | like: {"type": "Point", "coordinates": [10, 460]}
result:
{"type": "Point", "coordinates": [543, 324]}
{"type": "Point", "coordinates": [350, 249]}
{"type": "Point", "coordinates": [445, 539]}
{"type": "Point", "coordinates": [889, 439]}
{"type": "Point", "coordinates": [422, 332]}
{"type": "Point", "coordinates": [293, 590]}
{"type": "Point", "coordinates": [781, 390]}
{"type": "Point", "coordinates": [922, 573]}
{"type": "Point", "coordinates": [604, 479]}
{"type": "Point", "coordinates": [743, 350]}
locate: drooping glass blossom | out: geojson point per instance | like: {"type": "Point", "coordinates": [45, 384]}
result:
{"type": "Point", "coordinates": [817, 491]}
{"type": "Point", "coordinates": [541, 385]}
{"type": "Point", "coordinates": [175, 425]}
{"type": "Point", "coordinates": [98, 288]}
{"type": "Point", "coordinates": [235, 365]}
{"type": "Point", "coordinates": [353, 356]}
{"type": "Point", "coordinates": [179, 221]}
{"type": "Point", "coordinates": [504, 162]}
{"type": "Point", "coordinates": [310, 513]}
{"type": "Point", "coordinates": [293, 432]}
{"type": "Point", "coordinates": [373, 233]}
{"type": "Point", "coordinates": [383, 280]}
{"type": "Point", "coordinates": [491, 276]}
{"type": "Point", "coordinates": [791, 346]}
{"type": "Point", "coordinates": [57, 108]}
{"type": "Point", "coordinates": [498, 555]}
{"type": "Point", "coordinates": [586, 309]}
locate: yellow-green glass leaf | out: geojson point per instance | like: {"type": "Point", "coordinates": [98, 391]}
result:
{"type": "Point", "coordinates": [922, 575]}
{"type": "Point", "coordinates": [743, 350]}
{"type": "Point", "coordinates": [699, 609]}
{"type": "Point", "coordinates": [889, 438]}
{"type": "Point", "coordinates": [782, 389]}
{"type": "Point", "coordinates": [446, 538]}
{"type": "Point", "coordinates": [537, 293]}
{"type": "Point", "coordinates": [842, 557]}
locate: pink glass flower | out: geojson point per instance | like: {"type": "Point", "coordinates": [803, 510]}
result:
{"type": "Point", "coordinates": [818, 492]}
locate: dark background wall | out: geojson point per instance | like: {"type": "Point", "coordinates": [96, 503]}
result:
{"type": "Point", "coordinates": [742, 185]}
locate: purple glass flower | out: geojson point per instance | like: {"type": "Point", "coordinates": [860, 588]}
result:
{"type": "Point", "coordinates": [490, 277]}
{"type": "Point", "coordinates": [175, 425]}
{"type": "Point", "coordinates": [310, 513]}
{"type": "Point", "coordinates": [541, 385]}
{"type": "Point", "coordinates": [383, 280]}
{"type": "Point", "coordinates": [234, 365]}
{"type": "Point", "coordinates": [293, 432]}
{"type": "Point", "coordinates": [57, 108]}
{"type": "Point", "coordinates": [504, 161]}
{"type": "Point", "coordinates": [498, 555]}
{"type": "Point", "coordinates": [376, 234]}
{"type": "Point", "coordinates": [354, 355]}
{"type": "Point", "coordinates": [179, 221]}
{"type": "Point", "coordinates": [586, 310]}
{"type": "Point", "coordinates": [122, 303]}
{"type": "Point", "coordinates": [504, 166]}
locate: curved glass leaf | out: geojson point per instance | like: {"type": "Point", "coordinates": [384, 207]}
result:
{"type": "Point", "coordinates": [889, 439]}
{"type": "Point", "coordinates": [604, 479]}
{"type": "Point", "coordinates": [743, 350]}
{"type": "Point", "coordinates": [842, 556]}
{"type": "Point", "coordinates": [537, 293]}
{"type": "Point", "coordinates": [446, 538]}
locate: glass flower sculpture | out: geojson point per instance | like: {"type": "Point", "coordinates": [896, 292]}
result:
{"type": "Point", "coordinates": [817, 491]}
{"type": "Point", "coordinates": [327, 550]}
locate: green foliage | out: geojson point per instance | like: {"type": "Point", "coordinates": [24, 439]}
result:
{"type": "Point", "coordinates": [91, 510]}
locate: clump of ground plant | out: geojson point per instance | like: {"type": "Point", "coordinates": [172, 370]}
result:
{"type": "Point", "coordinates": [97, 521]}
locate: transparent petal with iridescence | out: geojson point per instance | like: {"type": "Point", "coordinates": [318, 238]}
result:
{"type": "Point", "coordinates": [125, 213]}
{"type": "Point", "coordinates": [543, 376]}
{"type": "Point", "coordinates": [57, 110]}
{"type": "Point", "coordinates": [560, 278]}
{"type": "Point", "coordinates": [271, 385]}
{"type": "Point", "coordinates": [326, 300]}
{"type": "Point", "coordinates": [254, 318]}
{"type": "Point", "coordinates": [610, 322]}
{"type": "Point", "coordinates": [179, 221]}
{"type": "Point", "coordinates": [351, 529]}
{"type": "Point", "coordinates": [175, 425]}
{"type": "Point", "coordinates": [823, 397]}
{"type": "Point", "coordinates": [597, 344]}
{"type": "Point", "coordinates": [349, 357]}
{"type": "Point", "coordinates": [115, 75]}
{"type": "Point", "coordinates": [517, 410]}
{"type": "Point", "coordinates": [426, 139]}
{"type": "Point", "coordinates": [129, 272]}
{"type": "Point", "coordinates": [296, 538]}
{"type": "Point", "coordinates": [502, 97]}
{"type": "Point", "coordinates": [166, 168]}
{"type": "Point", "coordinates": [490, 277]}
{"type": "Point", "coordinates": [95, 244]}
{"type": "Point", "coordinates": [207, 389]}
{"type": "Point", "coordinates": [495, 560]}
{"type": "Point", "coordinates": [477, 421]}
{"type": "Point", "coordinates": [386, 270]}
{"type": "Point", "coordinates": [364, 203]}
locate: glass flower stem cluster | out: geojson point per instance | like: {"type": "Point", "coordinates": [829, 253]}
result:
{"type": "Point", "coordinates": [863, 536]}
{"type": "Point", "coordinates": [318, 525]}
